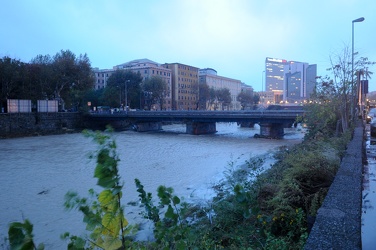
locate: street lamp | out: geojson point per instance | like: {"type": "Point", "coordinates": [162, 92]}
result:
{"type": "Point", "coordinates": [262, 85]}
{"type": "Point", "coordinates": [126, 94]}
{"type": "Point", "coordinates": [361, 19]}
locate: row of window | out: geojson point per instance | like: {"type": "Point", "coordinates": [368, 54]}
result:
{"type": "Point", "coordinates": [193, 98]}
{"type": "Point", "coordinates": [191, 92]}
{"type": "Point", "coordinates": [184, 67]}
{"type": "Point", "coordinates": [185, 74]}
{"type": "Point", "coordinates": [159, 72]}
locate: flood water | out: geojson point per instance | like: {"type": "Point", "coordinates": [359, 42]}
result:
{"type": "Point", "coordinates": [36, 172]}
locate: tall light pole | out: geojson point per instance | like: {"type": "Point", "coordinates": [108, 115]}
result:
{"type": "Point", "coordinates": [262, 85]}
{"type": "Point", "coordinates": [361, 19]}
{"type": "Point", "coordinates": [126, 94]}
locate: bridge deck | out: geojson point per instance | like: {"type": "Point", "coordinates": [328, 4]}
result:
{"type": "Point", "coordinates": [270, 116]}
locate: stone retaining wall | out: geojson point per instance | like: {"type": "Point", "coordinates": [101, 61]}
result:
{"type": "Point", "coordinates": [26, 124]}
{"type": "Point", "coordinates": [338, 221]}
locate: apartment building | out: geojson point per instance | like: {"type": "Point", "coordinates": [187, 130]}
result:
{"type": "Point", "coordinates": [101, 77]}
{"type": "Point", "coordinates": [213, 80]}
{"type": "Point", "coordinates": [184, 86]}
{"type": "Point", "coordinates": [147, 68]}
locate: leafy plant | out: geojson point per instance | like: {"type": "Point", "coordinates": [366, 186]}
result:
{"type": "Point", "coordinates": [104, 216]}
{"type": "Point", "coordinates": [172, 231]}
{"type": "Point", "coordinates": [21, 236]}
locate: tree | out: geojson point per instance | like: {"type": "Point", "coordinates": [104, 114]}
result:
{"type": "Point", "coordinates": [224, 97]}
{"type": "Point", "coordinates": [11, 71]}
{"type": "Point", "coordinates": [245, 99]}
{"type": "Point", "coordinates": [204, 96]}
{"type": "Point", "coordinates": [256, 98]}
{"type": "Point", "coordinates": [123, 89]}
{"type": "Point", "coordinates": [41, 73]}
{"type": "Point", "coordinates": [71, 74]}
{"type": "Point", "coordinates": [341, 87]}
{"type": "Point", "coordinates": [156, 86]}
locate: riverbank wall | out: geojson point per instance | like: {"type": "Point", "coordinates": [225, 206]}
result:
{"type": "Point", "coordinates": [32, 124]}
{"type": "Point", "coordinates": [338, 221]}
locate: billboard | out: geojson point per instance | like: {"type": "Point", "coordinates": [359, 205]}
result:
{"type": "Point", "coordinates": [18, 106]}
{"type": "Point", "coordinates": [48, 106]}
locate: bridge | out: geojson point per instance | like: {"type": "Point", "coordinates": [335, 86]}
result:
{"type": "Point", "coordinates": [272, 122]}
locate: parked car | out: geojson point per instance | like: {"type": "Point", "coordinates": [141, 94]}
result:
{"type": "Point", "coordinates": [371, 114]}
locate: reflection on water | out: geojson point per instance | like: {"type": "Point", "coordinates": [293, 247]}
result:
{"type": "Point", "coordinates": [36, 172]}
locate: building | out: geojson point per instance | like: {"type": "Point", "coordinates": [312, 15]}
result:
{"type": "Point", "coordinates": [274, 73]}
{"type": "Point", "coordinates": [184, 86]}
{"type": "Point", "coordinates": [101, 77]}
{"type": "Point", "coordinates": [146, 68]}
{"type": "Point", "coordinates": [291, 81]}
{"type": "Point", "coordinates": [299, 81]}
{"type": "Point", "coordinates": [210, 77]}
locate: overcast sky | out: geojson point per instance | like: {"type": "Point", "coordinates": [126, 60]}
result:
{"type": "Point", "coordinates": [231, 36]}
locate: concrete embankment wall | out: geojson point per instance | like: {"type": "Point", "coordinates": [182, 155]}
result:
{"type": "Point", "coordinates": [26, 124]}
{"type": "Point", "coordinates": [338, 221]}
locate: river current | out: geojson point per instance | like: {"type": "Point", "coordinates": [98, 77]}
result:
{"type": "Point", "coordinates": [36, 172]}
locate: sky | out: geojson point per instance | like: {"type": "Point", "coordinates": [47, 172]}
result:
{"type": "Point", "coordinates": [234, 37]}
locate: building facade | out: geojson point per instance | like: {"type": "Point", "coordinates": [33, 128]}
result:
{"type": "Point", "coordinates": [292, 81]}
{"type": "Point", "coordinates": [101, 77]}
{"type": "Point", "coordinates": [147, 68]}
{"type": "Point", "coordinates": [274, 73]}
{"type": "Point", "coordinates": [210, 77]}
{"type": "Point", "coordinates": [184, 86]}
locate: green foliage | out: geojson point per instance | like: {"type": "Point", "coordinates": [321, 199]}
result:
{"type": "Point", "coordinates": [64, 76]}
{"type": "Point", "coordinates": [21, 236]}
{"type": "Point", "coordinates": [157, 88]}
{"type": "Point", "coordinates": [246, 99]}
{"type": "Point", "coordinates": [104, 216]}
{"type": "Point", "coordinates": [172, 231]}
{"type": "Point", "coordinates": [204, 96]}
{"type": "Point", "coordinates": [123, 86]}
{"type": "Point", "coordinates": [321, 121]}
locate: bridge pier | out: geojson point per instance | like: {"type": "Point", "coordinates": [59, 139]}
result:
{"type": "Point", "coordinates": [148, 126]}
{"type": "Point", "coordinates": [200, 128]}
{"type": "Point", "coordinates": [272, 130]}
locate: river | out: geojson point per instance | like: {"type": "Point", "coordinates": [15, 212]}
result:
{"type": "Point", "coordinates": [36, 172]}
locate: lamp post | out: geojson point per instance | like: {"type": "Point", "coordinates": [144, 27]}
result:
{"type": "Point", "coordinates": [262, 86]}
{"type": "Point", "coordinates": [361, 19]}
{"type": "Point", "coordinates": [126, 94]}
